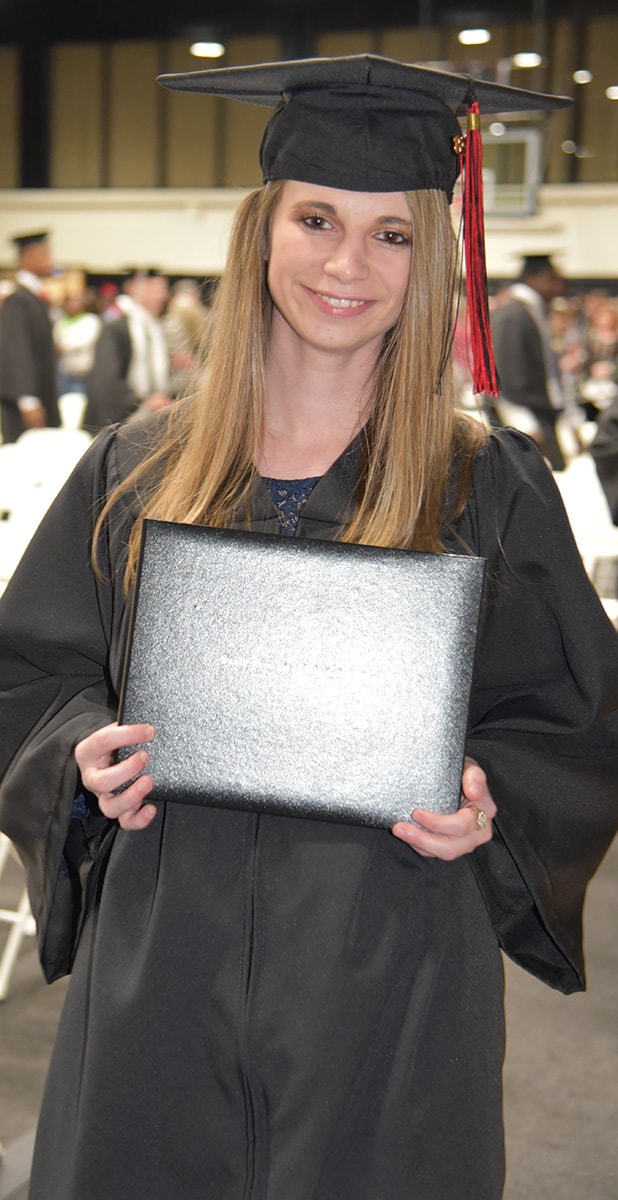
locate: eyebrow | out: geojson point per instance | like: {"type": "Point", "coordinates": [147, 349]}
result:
{"type": "Point", "coordinates": [395, 221]}
{"type": "Point", "coordinates": [330, 209]}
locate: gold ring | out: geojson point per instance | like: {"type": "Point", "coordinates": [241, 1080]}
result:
{"type": "Point", "coordinates": [481, 817]}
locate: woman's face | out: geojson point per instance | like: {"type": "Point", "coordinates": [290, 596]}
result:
{"type": "Point", "coordinates": [338, 265]}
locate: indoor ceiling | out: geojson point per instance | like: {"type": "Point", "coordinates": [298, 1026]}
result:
{"type": "Point", "coordinates": [29, 22]}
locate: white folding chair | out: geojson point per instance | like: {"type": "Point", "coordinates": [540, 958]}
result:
{"type": "Point", "coordinates": [49, 455]}
{"type": "Point", "coordinates": [32, 472]}
{"type": "Point", "coordinates": [22, 505]}
{"type": "Point", "coordinates": [72, 406]}
{"type": "Point", "coordinates": [592, 525]}
{"type": "Point", "coordinates": [19, 919]}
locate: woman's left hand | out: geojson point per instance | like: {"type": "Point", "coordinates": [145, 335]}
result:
{"type": "Point", "coordinates": [449, 836]}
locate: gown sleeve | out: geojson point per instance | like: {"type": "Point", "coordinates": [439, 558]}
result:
{"type": "Point", "coordinates": [544, 720]}
{"type": "Point", "coordinates": [18, 357]}
{"type": "Point", "coordinates": [56, 623]}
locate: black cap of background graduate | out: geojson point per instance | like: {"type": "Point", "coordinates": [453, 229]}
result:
{"type": "Point", "coordinates": [372, 124]}
{"type": "Point", "coordinates": [22, 240]}
{"type": "Point", "coordinates": [129, 273]}
{"type": "Point", "coordinates": [535, 264]}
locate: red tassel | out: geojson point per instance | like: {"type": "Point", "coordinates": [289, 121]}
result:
{"type": "Point", "coordinates": [484, 374]}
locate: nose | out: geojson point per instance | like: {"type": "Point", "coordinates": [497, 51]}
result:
{"type": "Point", "coordinates": [348, 260]}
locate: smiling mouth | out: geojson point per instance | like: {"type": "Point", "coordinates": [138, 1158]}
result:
{"type": "Point", "coordinates": [340, 301]}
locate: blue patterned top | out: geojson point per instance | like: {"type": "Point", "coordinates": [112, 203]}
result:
{"type": "Point", "coordinates": [289, 497]}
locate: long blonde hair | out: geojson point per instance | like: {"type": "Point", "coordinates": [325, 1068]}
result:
{"type": "Point", "coordinates": [204, 459]}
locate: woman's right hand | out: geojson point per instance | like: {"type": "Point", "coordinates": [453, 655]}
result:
{"type": "Point", "coordinates": [101, 776]}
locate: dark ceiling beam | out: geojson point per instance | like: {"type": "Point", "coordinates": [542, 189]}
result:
{"type": "Point", "coordinates": [72, 20]}
{"type": "Point", "coordinates": [34, 116]}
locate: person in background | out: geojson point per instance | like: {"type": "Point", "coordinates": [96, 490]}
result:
{"type": "Point", "coordinates": [277, 1006]}
{"type": "Point", "coordinates": [604, 451]}
{"type": "Point", "coordinates": [28, 364]}
{"type": "Point", "coordinates": [184, 325]}
{"type": "Point", "coordinates": [106, 301]}
{"type": "Point", "coordinates": [7, 287]}
{"type": "Point", "coordinates": [600, 385]}
{"type": "Point", "coordinates": [131, 371]}
{"type": "Point", "coordinates": [75, 336]}
{"type": "Point", "coordinates": [531, 396]}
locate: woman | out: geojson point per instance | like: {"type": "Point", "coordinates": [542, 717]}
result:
{"type": "Point", "coordinates": [281, 1008]}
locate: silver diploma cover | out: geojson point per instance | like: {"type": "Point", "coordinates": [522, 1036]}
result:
{"type": "Point", "coordinates": [300, 677]}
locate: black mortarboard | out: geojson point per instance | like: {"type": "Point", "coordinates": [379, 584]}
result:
{"type": "Point", "coordinates": [21, 240]}
{"type": "Point", "coordinates": [371, 124]}
{"type": "Point", "coordinates": [362, 123]}
{"type": "Point", "coordinates": [142, 273]}
{"type": "Point", "coordinates": [534, 264]}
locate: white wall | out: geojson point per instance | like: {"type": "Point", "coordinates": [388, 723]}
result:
{"type": "Point", "coordinates": [181, 231]}
{"type": "Point", "coordinates": [185, 231]}
{"type": "Point", "coordinates": [576, 223]}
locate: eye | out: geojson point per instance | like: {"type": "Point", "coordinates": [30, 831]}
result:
{"type": "Point", "coordinates": [393, 237]}
{"type": "Point", "coordinates": [315, 221]}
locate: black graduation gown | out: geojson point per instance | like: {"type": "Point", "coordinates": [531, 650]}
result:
{"type": "Point", "coordinates": [604, 450]}
{"type": "Point", "coordinates": [110, 396]}
{"type": "Point", "coordinates": [279, 1009]}
{"type": "Point", "coordinates": [28, 361]}
{"type": "Point", "coordinates": [522, 371]}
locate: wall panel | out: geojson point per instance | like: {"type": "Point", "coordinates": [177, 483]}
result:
{"type": "Point", "coordinates": [413, 45]}
{"type": "Point", "coordinates": [561, 123]}
{"type": "Point", "coordinates": [135, 104]}
{"type": "Point", "coordinates": [76, 157]}
{"type": "Point", "coordinates": [599, 130]}
{"type": "Point", "coordinates": [243, 124]}
{"type": "Point", "coordinates": [192, 126]}
{"type": "Point", "coordinates": [358, 41]}
{"type": "Point", "coordinates": [9, 117]}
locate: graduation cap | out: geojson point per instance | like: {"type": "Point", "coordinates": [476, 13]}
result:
{"type": "Point", "coordinates": [535, 264]}
{"type": "Point", "coordinates": [22, 240]}
{"type": "Point", "coordinates": [373, 124]}
{"type": "Point", "coordinates": [129, 273]}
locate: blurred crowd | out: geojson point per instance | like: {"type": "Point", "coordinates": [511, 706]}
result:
{"type": "Point", "coordinates": [583, 328]}
{"type": "Point", "coordinates": [135, 344]}
{"type": "Point", "coordinates": [583, 331]}
{"type": "Point", "coordinates": [125, 346]}
{"type": "Point", "coordinates": [83, 352]}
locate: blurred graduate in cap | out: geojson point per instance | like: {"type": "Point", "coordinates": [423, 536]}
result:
{"type": "Point", "coordinates": [532, 397]}
{"type": "Point", "coordinates": [131, 370]}
{"type": "Point", "coordinates": [263, 1006]}
{"type": "Point", "coordinates": [28, 367]}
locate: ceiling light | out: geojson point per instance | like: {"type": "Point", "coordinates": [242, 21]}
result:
{"type": "Point", "coordinates": [612, 92]}
{"type": "Point", "coordinates": [582, 76]}
{"type": "Point", "coordinates": [207, 49]}
{"type": "Point", "coordinates": [528, 58]}
{"type": "Point", "coordinates": [497, 129]}
{"type": "Point", "coordinates": [473, 37]}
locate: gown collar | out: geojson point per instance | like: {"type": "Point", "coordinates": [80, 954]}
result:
{"type": "Point", "coordinates": [329, 506]}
